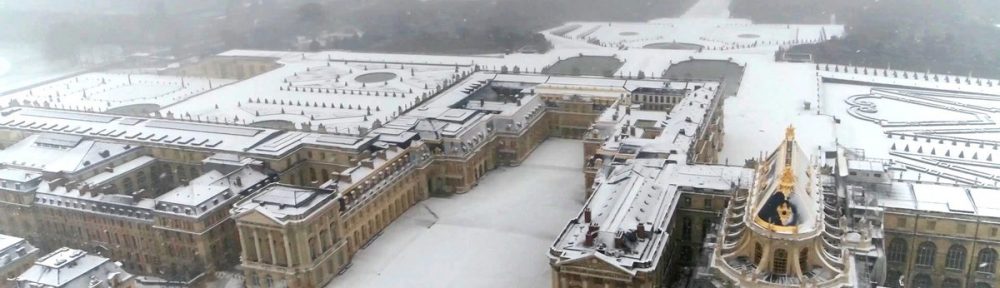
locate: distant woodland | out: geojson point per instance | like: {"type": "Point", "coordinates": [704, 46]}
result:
{"type": "Point", "coordinates": [457, 27]}
{"type": "Point", "coordinates": [956, 37]}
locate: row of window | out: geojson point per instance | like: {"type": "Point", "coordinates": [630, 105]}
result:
{"type": "Point", "coordinates": [954, 259]}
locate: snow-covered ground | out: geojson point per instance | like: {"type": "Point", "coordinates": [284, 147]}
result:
{"type": "Point", "coordinates": [496, 235]}
{"type": "Point", "coordinates": [893, 125]}
{"type": "Point", "coordinates": [103, 91]}
{"type": "Point", "coordinates": [771, 97]}
{"type": "Point", "coordinates": [318, 88]}
{"type": "Point", "coordinates": [738, 35]}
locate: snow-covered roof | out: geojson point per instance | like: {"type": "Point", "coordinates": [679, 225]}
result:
{"type": "Point", "coordinates": [13, 251]}
{"type": "Point", "coordinates": [787, 192]}
{"type": "Point", "coordinates": [13, 179]}
{"type": "Point", "coordinates": [54, 153]}
{"type": "Point", "coordinates": [120, 170]}
{"type": "Point", "coordinates": [633, 200]}
{"type": "Point", "coordinates": [146, 131]}
{"type": "Point", "coordinates": [941, 198]}
{"type": "Point", "coordinates": [67, 267]}
{"type": "Point", "coordinates": [285, 203]}
{"type": "Point", "coordinates": [208, 192]}
{"type": "Point", "coordinates": [116, 205]}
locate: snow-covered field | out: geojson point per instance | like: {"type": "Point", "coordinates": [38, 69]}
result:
{"type": "Point", "coordinates": [739, 35]}
{"type": "Point", "coordinates": [317, 89]}
{"type": "Point", "coordinates": [937, 136]}
{"type": "Point", "coordinates": [496, 235]}
{"type": "Point", "coordinates": [103, 91]}
{"type": "Point", "coordinates": [771, 97]}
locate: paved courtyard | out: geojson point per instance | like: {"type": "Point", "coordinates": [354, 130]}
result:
{"type": "Point", "coordinates": [496, 235]}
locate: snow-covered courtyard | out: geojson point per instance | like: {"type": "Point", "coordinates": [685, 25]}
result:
{"type": "Point", "coordinates": [496, 235]}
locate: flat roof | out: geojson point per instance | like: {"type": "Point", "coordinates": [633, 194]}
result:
{"type": "Point", "coordinates": [285, 203]}
{"type": "Point", "coordinates": [178, 133]}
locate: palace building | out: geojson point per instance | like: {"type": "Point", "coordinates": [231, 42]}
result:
{"type": "Point", "coordinates": [298, 202]}
{"type": "Point", "coordinates": [783, 232]}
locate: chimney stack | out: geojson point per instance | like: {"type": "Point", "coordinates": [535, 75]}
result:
{"type": "Point", "coordinates": [640, 231]}
{"type": "Point", "coordinates": [590, 235]}
{"type": "Point", "coordinates": [368, 163]}
{"type": "Point", "coordinates": [588, 241]}
{"type": "Point", "coordinates": [586, 215]}
{"type": "Point", "coordinates": [620, 240]}
{"type": "Point", "coordinates": [344, 178]}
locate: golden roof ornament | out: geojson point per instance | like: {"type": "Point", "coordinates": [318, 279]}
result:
{"type": "Point", "coordinates": [787, 182]}
{"type": "Point", "coordinates": [790, 133]}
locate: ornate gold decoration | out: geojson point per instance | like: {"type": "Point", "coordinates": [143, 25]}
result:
{"type": "Point", "coordinates": [784, 212]}
{"type": "Point", "coordinates": [787, 182]}
{"type": "Point", "coordinates": [790, 133]}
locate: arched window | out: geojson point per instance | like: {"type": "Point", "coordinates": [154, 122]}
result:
{"type": "Point", "coordinates": [925, 253]}
{"type": "Point", "coordinates": [758, 252]}
{"type": "Point", "coordinates": [804, 259]}
{"type": "Point", "coordinates": [780, 265]}
{"type": "Point", "coordinates": [922, 280]}
{"type": "Point", "coordinates": [193, 173]}
{"type": "Point", "coordinates": [897, 250]}
{"type": "Point", "coordinates": [956, 257]}
{"type": "Point", "coordinates": [951, 283]}
{"type": "Point", "coordinates": [312, 174]}
{"type": "Point", "coordinates": [987, 261]}
{"type": "Point", "coordinates": [326, 175]}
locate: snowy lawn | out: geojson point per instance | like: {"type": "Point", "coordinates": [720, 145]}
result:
{"type": "Point", "coordinates": [496, 235]}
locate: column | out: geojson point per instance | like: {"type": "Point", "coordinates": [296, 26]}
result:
{"type": "Point", "coordinates": [270, 243]}
{"type": "Point", "coordinates": [243, 244]}
{"type": "Point", "coordinates": [288, 251]}
{"type": "Point", "coordinates": [256, 244]}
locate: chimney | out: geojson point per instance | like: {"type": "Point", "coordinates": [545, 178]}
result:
{"type": "Point", "coordinates": [640, 231]}
{"type": "Point", "coordinates": [368, 163]}
{"type": "Point", "coordinates": [345, 178]}
{"type": "Point", "coordinates": [380, 154]}
{"type": "Point", "coordinates": [620, 240]}
{"type": "Point", "coordinates": [586, 215]}
{"type": "Point", "coordinates": [55, 183]}
{"type": "Point", "coordinates": [590, 235]}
